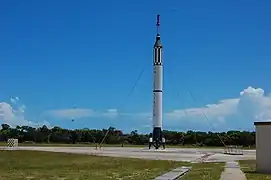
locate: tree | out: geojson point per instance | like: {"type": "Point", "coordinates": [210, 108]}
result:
{"type": "Point", "coordinates": [5, 126]}
{"type": "Point", "coordinates": [115, 136]}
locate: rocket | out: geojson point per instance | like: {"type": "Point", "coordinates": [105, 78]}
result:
{"type": "Point", "coordinates": [157, 138]}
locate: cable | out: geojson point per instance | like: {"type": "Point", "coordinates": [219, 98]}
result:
{"type": "Point", "coordinates": [206, 118]}
{"type": "Point", "coordinates": [202, 113]}
{"type": "Point", "coordinates": [128, 95]}
{"type": "Point", "coordinates": [104, 137]}
{"type": "Point", "coordinates": [137, 80]}
{"type": "Point", "coordinates": [73, 121]}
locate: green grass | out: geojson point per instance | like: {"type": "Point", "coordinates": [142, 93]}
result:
{"type": "Point", "coordinates": [249, 168]}
{"type": "Point", "coordinates": [37, 165]}
{"type": "Point", "coordinates": [205, 171]}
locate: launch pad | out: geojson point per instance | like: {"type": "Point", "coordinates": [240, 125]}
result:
{"type": "Point", "coordinates": [173, 154]}
{"type": "Point", "coordinates": [157, 145]}
{"type": "Point", "coordinates": [156, 139]}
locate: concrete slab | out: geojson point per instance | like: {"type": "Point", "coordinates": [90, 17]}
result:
{"type": "Point", "coordinates": [174, 174]}
{"type": "Point", "coordinates": [226, 157]}
{"type": "Point", "coordinates": [174, 154]}
{"type": "Point", "coordinates": [232, 172]}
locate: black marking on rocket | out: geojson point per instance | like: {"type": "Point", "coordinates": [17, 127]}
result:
{"type": "Point", "coordinates": [157, 91]}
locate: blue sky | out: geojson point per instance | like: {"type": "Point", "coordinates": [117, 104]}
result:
{"type": "Point", "coordinates": [57, 55]}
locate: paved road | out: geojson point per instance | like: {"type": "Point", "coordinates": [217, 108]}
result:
{"type": "Point", "coordinates": [232, 172]}
{"type": "Point", "coordinates": [176, 154]}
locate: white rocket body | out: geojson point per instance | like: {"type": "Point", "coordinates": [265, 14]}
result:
{"type": "Point", "coordinates": [157, 92]}
{"type": "Point", "coordinates": [157, 88]}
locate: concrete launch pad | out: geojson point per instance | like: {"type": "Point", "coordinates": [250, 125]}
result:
{"type": "Point", "coordinates": [175, 154]}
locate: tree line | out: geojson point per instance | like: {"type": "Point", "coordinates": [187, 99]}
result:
{"type": "Point", "coordinates": [114, 136]}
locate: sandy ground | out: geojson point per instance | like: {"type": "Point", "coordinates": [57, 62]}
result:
{"type": "Point", "coordinates": [176, 154]}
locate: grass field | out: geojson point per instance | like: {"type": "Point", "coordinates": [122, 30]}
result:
{"type": "Point", "coordinates": [249, 167]}
{"type": "Point", "coordinates": [47, 165]}
{"type": "Point", "coordinates": [205, 171]}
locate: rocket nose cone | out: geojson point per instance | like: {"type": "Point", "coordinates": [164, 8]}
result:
{"type": "Point", "coordinates": [158, 42]}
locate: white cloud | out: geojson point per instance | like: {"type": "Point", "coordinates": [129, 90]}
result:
{"type": "Point", "coordinates": [14, 100]}
{"type": "Point", "coordinates": [111, 113]}
{"type": "Point", "coordinates": [235, 113]}
{"type": "Point", "coordinates": [223, 108]}
{"type": "Point", "coordinates": [13, 114]}
{"type": "Point", "coordinates": [252, 105]}
{"type": "Point", "coordinates": [82, 113]}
